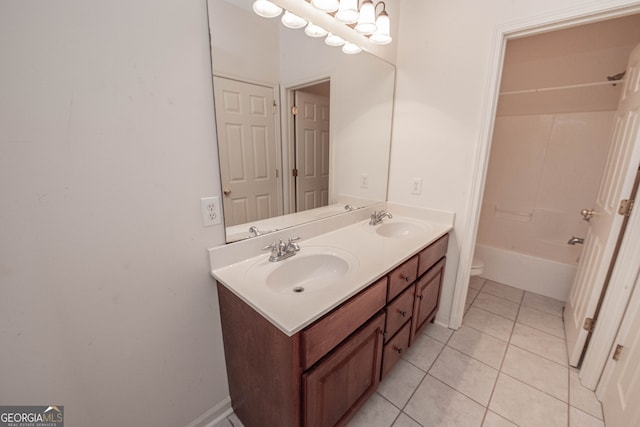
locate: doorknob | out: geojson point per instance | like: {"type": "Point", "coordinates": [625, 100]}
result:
{"type": "Point", "coordinates": [226, 191]}
{"type": "Point", "coordinates": [587, 214]}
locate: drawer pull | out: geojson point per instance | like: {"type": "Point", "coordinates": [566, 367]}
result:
{"type": "Point", "coordinates": [398, 349]}
{"type": "Point", "coordinates": [405, 278]}
{"type": "Point", "coordinates": [403, 313]}
{"type": "Point", "coordinates": [420, 297]}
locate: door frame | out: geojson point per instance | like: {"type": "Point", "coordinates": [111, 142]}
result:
{"type": "Point", "coordinates": [289, 135]}
{"type": "Point", "coordinates": [562, 19]}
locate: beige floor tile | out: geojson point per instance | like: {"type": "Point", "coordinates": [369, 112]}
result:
{"type": "Point", "coordinates": [494, 420]}
{"type": "Point", "coordinates": [577, 418]}
{"type": "Point", "coordinates": [476, 282]}
{"type": "Point", "coordinates": [435, 404]}
{"type": "Point", "coordinates": [405, 421]}
{"type": "Point", "coordinates": [526, 406]}
{"type": "Point", "coordinates": [437, 332]}
{"type": "Point", "coordinates": [542, 303]}
{"type": "Point", "coordinates": [471, 295]}
{"type": "Point", "coordinates": [537, 372]}
{"type": "Point", "coordinates": [583, 398]}
{"type": "Point", "coordinates": [466, 375]}
{"type": "Point", "coordinates": [400, 383]}
{"type": "Point", "coordinates": [540, 320]}
{"type": "Point", "coordinates": [489, 323]}
{"type": "Point", "coordinates": [540, 343]}
{"type": "Point", "coordinates": [503, 291]}
{"type": "Point", "coordinates": [480, 346]}
{"type": "Point", "coordinates": [376, 412]}
{"type": "Point", "coordinates": [496, 305]}
{"type": "Point", "coordinates": [423, 352]}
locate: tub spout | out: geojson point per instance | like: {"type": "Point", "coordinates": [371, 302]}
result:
{"type": "Point", "coordinates": [575, 240]}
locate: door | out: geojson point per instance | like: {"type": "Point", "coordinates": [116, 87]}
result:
{"type": "Point", "coordinates": [605, 224]}
{"type": "Point", "coordinates": [246, 120]}
{"type": "Point", "coordinates": [622, 390]}
{"type": "Point", "coordinates": [312, 150]}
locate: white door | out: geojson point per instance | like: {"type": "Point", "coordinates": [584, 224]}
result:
{"type": "Point", "coordinates": [245, 119]}
{"type": "Point", "coordinates": [312, 150]}
{"type": "Point", "coordinates": [604, 227]}
{"type": "Point", "coordinates": [621, 393]}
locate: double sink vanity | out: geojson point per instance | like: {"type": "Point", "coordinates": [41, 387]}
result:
{"type": "Point", "coordinates": [309, 335]}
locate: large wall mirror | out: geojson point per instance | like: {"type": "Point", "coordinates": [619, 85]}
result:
{"type": "Point", "coordinates": [279, 169]}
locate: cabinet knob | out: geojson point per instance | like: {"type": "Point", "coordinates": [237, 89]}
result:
{"type": "Point", "coordinates": [405, 278]}
{"type": "Point", "coordinates": [398, 349]}
{"type": "Point", "coordinates": [403, 313]}
{"type": "Point", "coordinates": [420, 297]}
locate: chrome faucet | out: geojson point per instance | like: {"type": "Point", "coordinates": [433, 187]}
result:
{"type": "Point", "coordinates": [575, 240]}
{"type": "Point", "coordinates": [282, 250]}
{"type": "Point", "coordinates": [349, 208]}
{"type": "Point", "coordinates": [254, 231]}
{"type": "Point", "coordinates": [377, 217]}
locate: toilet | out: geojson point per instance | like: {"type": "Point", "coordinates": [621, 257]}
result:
{"type": "Point", "coordinates": [477, 266]}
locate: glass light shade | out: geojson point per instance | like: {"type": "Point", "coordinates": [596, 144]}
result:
{"type": "Point", "coordinates": [313, 30]}
{"type": "Point", "coordinates": [290, 20]}
{"type": "Point", "coordinates": [350, 48]}
{"type": "Point", "coordinates": [333, 40]}
{"type": "Point", "coordinates": [266, 9]}
{"type": "Point", "coordinates": [382, 34]}
{"type": "Point", "coordinates": [348, 11]}
{"type": "Point", "coordinates": [366, 22]}
{"type": "Point", "coordinates": [326, 5]}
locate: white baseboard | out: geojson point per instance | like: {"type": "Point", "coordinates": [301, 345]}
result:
{"type": "Point", "coordinates": [214, 416]}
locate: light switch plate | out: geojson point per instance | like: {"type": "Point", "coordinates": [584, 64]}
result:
{"type": "Point", "coordinates": [364, 180]}
{"type": "Point", "coordinates": [416, 186]}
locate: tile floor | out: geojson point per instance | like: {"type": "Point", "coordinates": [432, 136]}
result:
{"type": "Point", "coordinates": [506, 366]}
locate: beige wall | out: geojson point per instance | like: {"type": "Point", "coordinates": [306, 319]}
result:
{"type": "Point", "coordinates": [106, 146]}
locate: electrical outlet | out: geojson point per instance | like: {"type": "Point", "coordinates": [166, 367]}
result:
{"type": "Point", "coordinates": [210, 211]}
{"type": "Point", "coordinates": [364, 180]}
{"type": "Point", "coordinates": [416, 186]}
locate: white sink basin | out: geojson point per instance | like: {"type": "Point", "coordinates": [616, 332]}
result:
{"type": "Point", "coordinates": [399, 230]}
{"type": "Point", "coordinates": [311, 269]}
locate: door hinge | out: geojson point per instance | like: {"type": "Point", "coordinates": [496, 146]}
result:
{"type": "Point", "coordinates": [617, 352]}
{"type": "Point", "coordinates": [277, 173]}
{"type": "Point", "coordinates": [589, 323]}
{"type": "Point", "coordinates": [294, 172]}
{"type": "Point", "coordinates": [294, 110]}
{"type": "Point", "coordinates": [626, 205]}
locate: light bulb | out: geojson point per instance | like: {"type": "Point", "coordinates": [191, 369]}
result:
{"type": "Point", "coordinates": [366, 22]}
{"type": "Point", "coordinates": [290, 20]}
{"type": "Point", "coordinates": [382, 34]}
{"type": "Point", "coordinates": [348, 11]}
{"type": "Point", "coordinates": [266, 9]}
{"type": "Point", "coordinates": [350, 48]}
{"type": "Point", "coordinates": [326, 5]}
{"type": "Point", "coordinates": [333, 40]}
{"type": "Point", "coordinates": [313, 30]}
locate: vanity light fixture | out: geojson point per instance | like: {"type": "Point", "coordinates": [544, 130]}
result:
{"type": "Point", "coordinates": [363, 20]}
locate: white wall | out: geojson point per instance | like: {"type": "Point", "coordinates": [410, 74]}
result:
{"type": "Point", "coordinates": [106, 146]}
{"type": "Point", "coordinates": [444, 63]}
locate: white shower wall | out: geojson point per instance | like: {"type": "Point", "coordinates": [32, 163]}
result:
{"type": "Point", "coordinates": [544, 168]}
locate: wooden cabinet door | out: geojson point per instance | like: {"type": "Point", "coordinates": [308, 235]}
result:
{"type": "Point", "coordinates": [427, 296]}
{"type": "Point", "coordinates": [342, 382]}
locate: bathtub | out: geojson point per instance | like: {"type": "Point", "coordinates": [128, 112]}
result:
{"type": "Point", "coordinates": [542, 276]}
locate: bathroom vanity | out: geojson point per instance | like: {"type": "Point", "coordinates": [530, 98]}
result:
{"type": "Point", "coordinates": [319, 368]}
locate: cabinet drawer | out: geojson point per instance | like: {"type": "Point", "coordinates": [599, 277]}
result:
{"type": "Point", "coordinates": [432, 254]}
{"type": "Point", "coordinates": [399, 311]}
{"type": "Point", "coordinates": [402, 277]}
{"type": "Point", "coordinates": [331, 330]}
{"type": "Point", "coordinates": [394, 349]}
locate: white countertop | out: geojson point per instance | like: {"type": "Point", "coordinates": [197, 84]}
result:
{"type": "Point", "coordinates": [374, 256]}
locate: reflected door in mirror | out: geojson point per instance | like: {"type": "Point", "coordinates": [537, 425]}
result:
{"type": "Point", "coordinates": [312, 150]}
{"type": "Point", "coordinates": [247, 149]}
